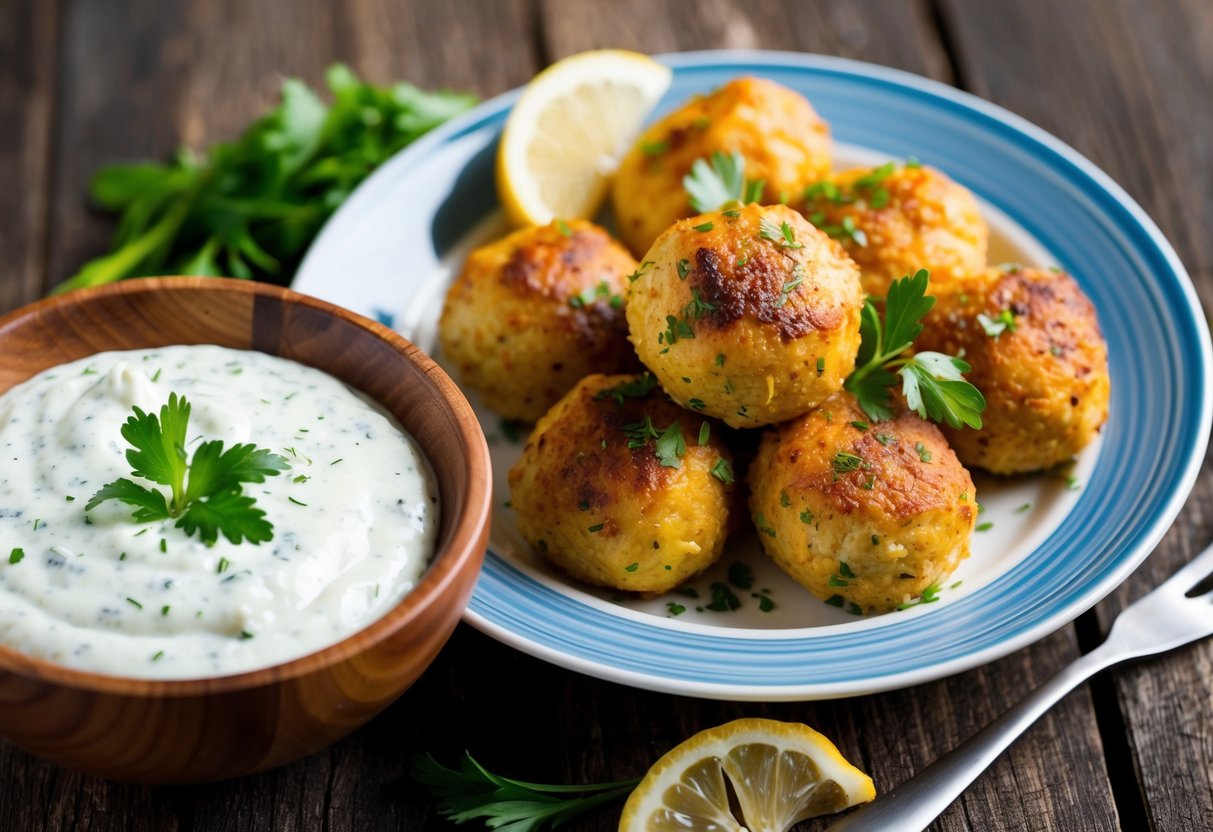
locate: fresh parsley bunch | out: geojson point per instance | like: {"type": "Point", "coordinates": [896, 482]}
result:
{"type": "Point", "coordinates": [930, 381]}
{"type": "Point", "coordinates": [249, 208]}
{"type": "Point", "coordinates": [207, 495]}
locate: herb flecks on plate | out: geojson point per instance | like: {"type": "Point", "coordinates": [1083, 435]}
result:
{"type": "Point", "coordinates": [206, 491]}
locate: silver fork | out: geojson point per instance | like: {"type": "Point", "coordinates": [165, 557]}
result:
{"type": "Point", "coordinates": [1162, 620]}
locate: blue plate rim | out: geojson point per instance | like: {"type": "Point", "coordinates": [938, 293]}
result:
{"type": "Point", "coordinates": [1148, 534]}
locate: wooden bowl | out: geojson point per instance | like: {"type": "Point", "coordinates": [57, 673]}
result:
{"type": "Point", "coordinates": [180, 731]}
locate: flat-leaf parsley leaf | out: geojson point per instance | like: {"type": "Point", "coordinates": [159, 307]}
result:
{"type": "Point", "coordinates": [931, 382]}
{"type": "Point", "coordinates": [206, 491]}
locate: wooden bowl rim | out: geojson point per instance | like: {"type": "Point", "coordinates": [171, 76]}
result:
{"type": "Point", "coordinates": [462, 552]}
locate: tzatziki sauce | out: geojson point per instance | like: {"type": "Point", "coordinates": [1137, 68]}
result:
{"type": "Point", "coordinates": [354, 517]}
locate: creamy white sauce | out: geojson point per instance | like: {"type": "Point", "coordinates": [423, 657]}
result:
{"type": "Point", "coordinates": [354, 518]}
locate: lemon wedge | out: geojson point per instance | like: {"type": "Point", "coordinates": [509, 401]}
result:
{"type": "Point", "coordinates": [564, 138]}
{"type": "Point", "coordinates": [780, 774]}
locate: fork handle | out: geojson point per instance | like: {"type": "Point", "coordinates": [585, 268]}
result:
{"type": "Point", "coordinates": [921, 799]}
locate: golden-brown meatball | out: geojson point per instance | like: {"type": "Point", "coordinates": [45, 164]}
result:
{"type": "Point", "coordinates": [1038, 356]}
{"type": "Point", "coordinates": [750, 315]}
{"type": "Point", "coordinates": [866, 515]}
{"type": "Point", "coordinates": [532, 314]}
{"type": "Point", "coordinates": [619, 487]}
{"type": "Point", "coordinates": [784, 142]}
{"type": "Point", "coordinates": [894, 220]}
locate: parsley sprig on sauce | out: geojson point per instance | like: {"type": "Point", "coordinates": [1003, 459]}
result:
{"type": "Point", "coordinates": [207, 496]}
{"type": "Point", "coordinates": [930, 381]}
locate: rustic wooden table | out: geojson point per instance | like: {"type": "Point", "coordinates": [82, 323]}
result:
{"type": "Point", "coordinates": [1127, 82]}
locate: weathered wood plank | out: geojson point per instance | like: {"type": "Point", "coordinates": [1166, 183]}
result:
{"type": "Point", "coordinates": [27, 77]}
{"type": "Point", "coordinates": [896, 34]}
{"type": "Point", "coordinates": [1128, 83]}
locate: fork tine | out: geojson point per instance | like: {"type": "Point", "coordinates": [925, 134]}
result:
{"type": "Point", "coordinates": [1195, 571]}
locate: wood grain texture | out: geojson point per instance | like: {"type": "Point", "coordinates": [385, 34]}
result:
{"type": "Point", "coordinates": [896, 34]}
{"type": "Point", "coordinates": [207, 729]}
{"type": "Point", "coordinates": [1128, 84]}
{"type": "Point", "coordinates": [27, 74]}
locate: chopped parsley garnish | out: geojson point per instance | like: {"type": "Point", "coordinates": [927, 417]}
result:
{"type": "Point", "coordinates": [684, 268]}
{"type": "Point", "coordinates": [821, 364]}
{"type": "Point", "coordinates": [720, 360]}
{"type": "Point", "coordinates": [597, 527]}
{"type": "Point", "coordinates": [1023, 508]}
{"type": "Point", "coordinates": [760, 520]}
{"type": "Point", "coordinates": [806, 517]}
{"type": "Point", "coordinates": [845, 462]}
{"type": "Point", "coordinates": [765, 604]}
{"type": "Point", "coordinates": [17, 555]}
{"type": "Point", "coordinates": [637, 388]}
{"type": "Point", "coordinates": [723, 599]}
{"type": "Point", "coordinates": [782, 234]}
{"type": "Point", "coordinates": [885, 438]}
{"type": "Point", "coordinates": [929, 596]}
{"type": "Point", "coordinates": [714, 184]}
{"type": "Point", "coordinates": [640, 272]}
{"type": "Point", "coordinates": [931, 382]}
{"type": "Point", "coordinates": [705, 432]}
{"type": "Point", "coordinates": [158, 655]}
{"type": "Point", "coordinates": [211, 501]}
{"type": "Point", "coordinates": [923, 452]}
{"type": "Point", "coordinates": [590, 294]}
{"type": "Point", "coordinates": [675, 329]}
{"type": "Point", "coordinates": [835, 601]}
{"type": "Point", "coordinates": [675, 608]}
{"type": "Point", "coordinates": [741, 575]}
{"type": "Point", "coordinates": [1004, 322]}
{"type": "Point", "coordinates": [845, 230]}
{"type": "Point", "coordinates": [697, 404]}
{"type": "Point", "coordinates": [723, 471]}
{"type": "Point", "coordinates": [584, 505]}
{"type": "Point", "coordinates": [784, 499]}
{"type": "Point", "coordinates": [669, 445]}
{"type": "Point", "coordinates": [134, 603]}
{"type": "Point", "coordinates": [984, 527]}
{"type": "Point", "coordinates": [654, 148]}
{"type": "Point", "coordinates": [563, 228]}
{"type": "Point", "coordinates": [790, 286]}
{"type": "Point", "coordinates": [861, 426]}
{"type": "Point", "coordinates": [704, 226]}
{"type": "Point", "coordinates": [698, 307]}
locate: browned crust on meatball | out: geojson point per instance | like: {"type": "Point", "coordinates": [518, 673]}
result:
{"type": "Point", "coordinates": [1045, 381]}
{"type": "Point", "coordinates": [892, 477]}
{"type": "Point", "coordinates": [744, 276]}
{"type": "Point", "coordinates": [602, 465]}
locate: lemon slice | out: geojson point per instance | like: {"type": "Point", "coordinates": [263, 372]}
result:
{"type": "Point", "coordinates": [565, 136]}
{"type": "Point", "coordinates": [780, 773]}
